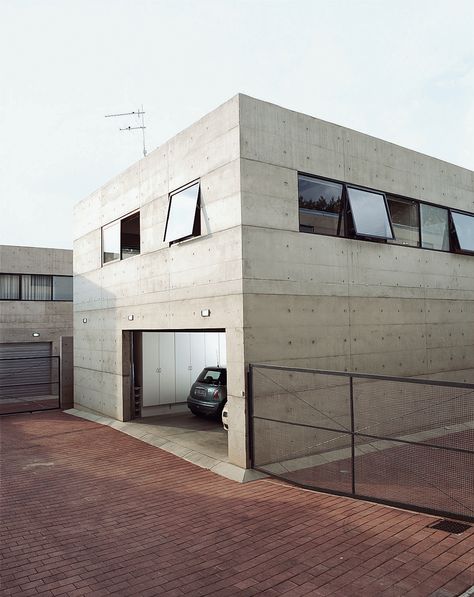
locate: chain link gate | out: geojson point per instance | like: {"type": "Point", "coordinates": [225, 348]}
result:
{"type": "Point", "coordinates": [400, 441]}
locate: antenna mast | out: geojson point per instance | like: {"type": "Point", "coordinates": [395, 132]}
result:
{"type": "Point", "coordinates": [141, 116]}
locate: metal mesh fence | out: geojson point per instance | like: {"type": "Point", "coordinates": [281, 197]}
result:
{"type": "Point", "coordinates": [29, 384]}
{"type": "Point", "coordinates": [403, 441]}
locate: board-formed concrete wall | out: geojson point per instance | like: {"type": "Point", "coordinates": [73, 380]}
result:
{"type": "Point", "coordinates": [281, 296]}
{"type": "Point", "coordinates": [165, 288]}
{"type": "Point", "coordinates": [344, 304]}
{"type": "Point", "coordinates": [19, 319]}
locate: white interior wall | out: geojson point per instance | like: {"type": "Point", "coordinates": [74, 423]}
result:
{"type": "Point", "coordinates": [173, 360]}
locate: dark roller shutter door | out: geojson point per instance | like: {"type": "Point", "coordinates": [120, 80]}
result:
{"type": "Point", "coordinates": [26, 369]}
{"type": "Point", "coordinates": [14, 350]}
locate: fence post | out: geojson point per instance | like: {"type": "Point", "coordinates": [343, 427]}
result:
{"type": "Point", "coordinates": [351, 386]}
{"type": "Point", "coordinates": [250, 416]}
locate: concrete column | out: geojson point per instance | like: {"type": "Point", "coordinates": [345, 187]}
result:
{"type": "Point", "coordinates": [66, 363]}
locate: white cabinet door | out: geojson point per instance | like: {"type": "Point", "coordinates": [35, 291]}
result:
{"type": "Point", "coordinates": [183, 365]}
{"type": "Point", "coordinates": [167, 368]}
{"type": "Point", "coordinates": [198, 360]}
{"type": "Point", "coordinates": [222, 350]}
{"type": "Point", "coordinates": [211, 341]}
{"type": "Point", "coordinates": [151, 361]}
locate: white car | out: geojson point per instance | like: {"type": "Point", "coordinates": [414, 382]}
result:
{"type": "Point", "coordinates": [225, 416]}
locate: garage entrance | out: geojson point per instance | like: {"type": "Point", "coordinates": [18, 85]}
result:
{"type": "Point", "coordinates": [29, 377]}
{"type": "Point", "coordinates": [169, 364]}
{"type": "Point", "coordinates": [165, 365]}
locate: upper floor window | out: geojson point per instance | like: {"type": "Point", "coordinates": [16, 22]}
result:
{"type": "Point", "coordinates": [183, 219]}
{"type": "Point", "coordinates": [340, 209]}
{"type": "Point", "coordinates": [369, 213]}
{"type": "Point", "coordinates": [320, 203]}
{"type": "Point", "coordinates": [9, 286]}
{"type": "Point", "coordinates": [121, 239]}
{"type": "Point", "coordinates": [434, 227]}
{"type": "Point", "coordinates": [35, 287]}
{"type": "Point", "coordinates": [405, 220]}
{"type": "Point", "coordinates": [464, 228]}
{"type": "Point", "coordinates": [62, 288]}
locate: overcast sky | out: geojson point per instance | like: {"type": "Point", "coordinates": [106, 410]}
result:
{"type": "Point", "coordinates": [397, 69]}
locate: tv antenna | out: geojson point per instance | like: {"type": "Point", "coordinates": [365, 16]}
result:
{"type": "Point", "coordinates": [141, 116]}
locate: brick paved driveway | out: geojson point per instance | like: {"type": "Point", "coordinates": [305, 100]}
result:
{"type": "Point", "coordinates": [87, 510]}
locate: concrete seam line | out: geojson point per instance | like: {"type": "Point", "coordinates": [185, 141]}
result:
{"type": "Point", "coordinates": [467, 593]}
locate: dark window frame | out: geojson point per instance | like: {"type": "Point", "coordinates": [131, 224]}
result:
{"type": "Point", "coordinates": [349, 225]}
{"type": "Point", "coordinates": [450, 240]}
{"type": "Point", "coordinates": [455, 244]}
{"type": "Point", "coordinates": [418, 209]}
{"type": "Point", "coordinates": [108, 225]}
{"type": "Point", "coordinates": [356, 234]}
{"type": "Point", "coordinates": [197, 215]}
{"type": "Point", "coordinates": [51, 300]}
{"type": "Point", "coordinates": [340, 213]}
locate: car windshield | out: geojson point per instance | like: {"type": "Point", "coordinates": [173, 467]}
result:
{"type": "Point", "coordinates": [214, 377]}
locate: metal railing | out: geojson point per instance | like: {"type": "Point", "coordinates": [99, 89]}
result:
{"type": "Point", "coordinates": [401, 441]}
{"type": "Point", "coordinates": [29, 384]}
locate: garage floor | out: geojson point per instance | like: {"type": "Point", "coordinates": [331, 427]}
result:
{"type": "Point", "coordinates": [205, 436]}
{"type": "Point", "coordinates": [198, 440]}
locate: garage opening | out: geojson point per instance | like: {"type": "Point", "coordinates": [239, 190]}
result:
{"type": "Point", "coordinates": [166, 364]}
{"type": "Point", "coordinates": [29, 377]}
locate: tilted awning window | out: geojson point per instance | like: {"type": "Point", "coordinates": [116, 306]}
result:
{"type": "Point", "coordinates": [183, 214]}
{"type": "Point", "coordinates": [464, 226]}
{"type": "Point", "coordinates": [369, 213]}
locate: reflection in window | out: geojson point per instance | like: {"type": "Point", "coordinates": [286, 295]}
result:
{"type": "Point", "coordinates": [319, 206]}
{"type": "Point", "coordinates": [9, 286]}
{"type": "Point", "coordinates": [464, 227]}
{"type": "Point", "coordinates": [130, 236]}
{"type": "Point", "coordinates": [35, 287]}
{"type": "Point", "coordinates": [434, 227]}
{"type": "Point", "coordinates": [369, 213]}
{"type": "Point", "coordinates": [405, 221]}
{"type": "Point", "coordinates": [111, 242]}
{"type": "Point", "coordinates": [183, 214]}
{"type": "Point", "coordinates": [62, 288]}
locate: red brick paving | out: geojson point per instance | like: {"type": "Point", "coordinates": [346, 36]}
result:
{"type": "Point", "coordinates": [87, 510]}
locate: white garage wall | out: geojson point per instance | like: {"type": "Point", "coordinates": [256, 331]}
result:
{"type": "Point", "coordinates": [173, 360]}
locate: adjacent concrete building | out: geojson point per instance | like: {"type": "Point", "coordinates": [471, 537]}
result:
{"type": "Point", "coordinates": [35, 299]}
{"type": "Point", "coordinates": [35, 328]}
{"type": "Point", "coordinates": [260, 234]}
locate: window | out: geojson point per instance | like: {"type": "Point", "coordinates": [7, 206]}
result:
{"type": "Point", "coordinates": [369, 213]}
{"type": "Point", "coordinates": [183, 214]}
{"type": "Point", "coordinates": [335, 208]}
{"type": "Point", "coordinates": [111, 242]}
{"type": "Point", "coordinates": [405, 221]}
{"type": "Point", "coordinates": [130, 236]}
{"type": "Point", "coordinates": [320, 204]}
{"type": "Point", "coordinates": [464, 228]}
{"type": "Point", "coordinates": [9, 286]}
{"type": "Point", "coordinates": [62, 288]}
{"type": "Point", "coordinates": [121, 239]}
{"type": "Point", "coordinates": [35, 287]}
{"type": "Point", "coordinates": [434, 227]}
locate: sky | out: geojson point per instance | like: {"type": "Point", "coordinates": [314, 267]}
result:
{"type": "Point", "coordinates": [399, 70]}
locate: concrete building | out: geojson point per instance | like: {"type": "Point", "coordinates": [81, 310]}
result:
{"type": "Point", "coordinates": [35, 299]}
{"type": "Point", "coordinates": [259, 234]}
{"type": "Point", "coordinates": [35, 322]}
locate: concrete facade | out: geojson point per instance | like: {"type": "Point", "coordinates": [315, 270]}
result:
{"type": "Point", "coordinates": [281, 296]}
{"type": "Point", "coordinates": [19, 318]}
